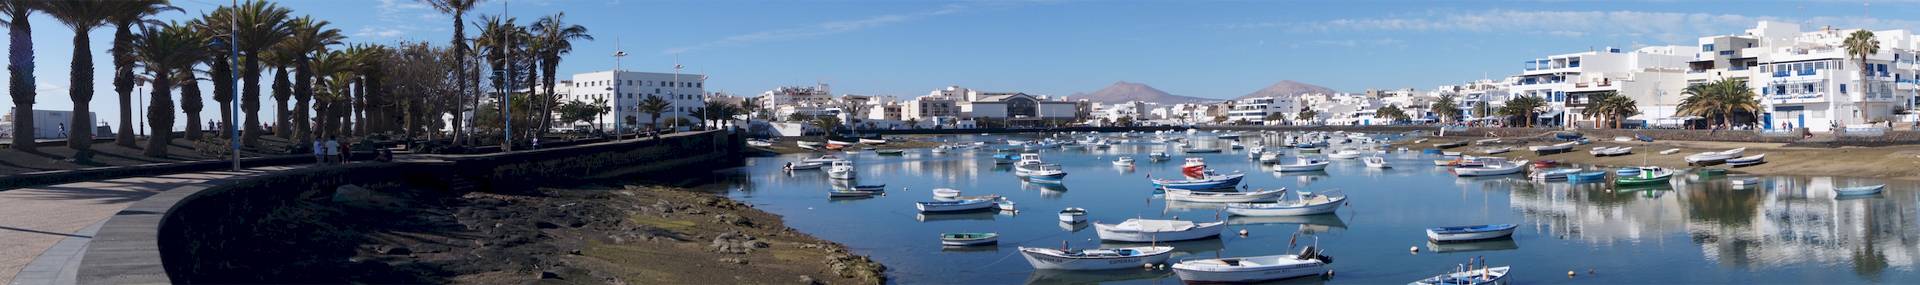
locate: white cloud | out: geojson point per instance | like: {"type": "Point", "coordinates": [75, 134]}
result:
{"type": "Point", "coordinates": [1661, 26]}
{"type": "Point", "coordinates": [815, 30]}
{"type": "Point", "coordinates": [1359, 43]}
{"type": "Point", "coordinates": [378, 33]}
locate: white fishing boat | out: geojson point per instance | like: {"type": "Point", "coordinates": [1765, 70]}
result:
{"type": "Point", "coordinates": [1307, 204]}
{"type": "Point", "coordinates": [954, 206]}
{"type": "Point", "coordinates": [1303, 164]}
{"type": "Point", "coordinates": [1073, 215]}
{"type": "Point", "coordinates": [1123, 161]}
{"type": "Point", "coordinates": [1669, 151]}
{"type": "Point", "coordinates": [839, 143]}
{"type": "Point", "coordinates": [1223, 197]}
{"type": "Point", "coordinates": [1095, 259]}
{"type": "Point", "coordinates": [1492, 169]}
{"type": "Point", "coordinates": [1714, 156]}
{"type": "Point", "coordinates": [759, 143]}
{"type": "Point", "coordinates": [841, 169]}
{"type": "Point", "coordinates": [1345, 154]}
{"type": "Point", "coordinates": [1449, 153]}
{"type": "Point", "coordinates": [1376, 162]}
{"type": "Point", "coordinates": [1253, 269]}
{"type": "Point", "coordinates": [1483, 276]}
{"type": "Point", "coordinates": [873, 141]}
{"type": "Point", "coordinates": [968, 239]}
{"type": "Point", "coordinates": [1145, 230]}
{"type": "Point", "coordinates": [1157, 156]}
{"type": "Point", "coordinates": [1858, 190]}
{"type": "Point", "coordinates": [1469, 233]}
{"type": "Point", "coordinates": [805, 165]}
{"type": "Point", "coordinates": [1270, 157]}
{"type": "Point", "coordinates": [827, 158]}
{"type": "Point", "coordinates": [1006, 205]}
{"type": "Point", "coordinates": [1486, 141]}
{"type": "Point", "coordinates": [1027, 164]}
{"type": "Point", "coordinates": [1748, 160]}
{"type": "Point", "coordinates": [1552, 149]}
{"type": "Point", "coordinates": [1497, 150]}
{"type": "Point", "coordinates": [946, 193]}
{"type": "Point", "coordinates": [1611, 151]}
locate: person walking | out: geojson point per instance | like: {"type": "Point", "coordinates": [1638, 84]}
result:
{"type": "Point", "coordinates": [333, 149]}
{"type": "Point", "coordinates": [346, 151]}
{"type": "Point", "coordinates": [319, 151]}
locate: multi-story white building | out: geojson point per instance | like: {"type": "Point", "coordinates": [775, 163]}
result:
{"type": "Point", "coordinates": [1256, 110]}
{"type": "Point", "coordinates": [1807, 79]}
{"type": "Point", "coordinates": [1568, 82]}
{"type": "Point", "coordinates": [786, 97]}
{"type": "Point", "coordinates": [683, 92]}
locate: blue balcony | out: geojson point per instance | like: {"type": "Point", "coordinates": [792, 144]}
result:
{"type": "Point", "coordinates": [1781, 73]}
{"type": "Point", "coordinates": [1806, 72]}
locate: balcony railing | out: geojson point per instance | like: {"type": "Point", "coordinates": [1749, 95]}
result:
{"type": "Point", "coordinates": [1806, 72]}
{"type": "Point", "coordinates": [1782, 73]}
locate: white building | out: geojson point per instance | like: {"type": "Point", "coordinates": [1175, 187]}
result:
{"type": "Point", "coordinates": [1806, 79]}
{"type": "Point", "coordinates": [623, 93]}
{"type": "Point", "coordinates": [1568, 82]}
{"type": "Point", "coordinates": [785, 97]}
{"type": "Point", "coordinates": [1256, 110]}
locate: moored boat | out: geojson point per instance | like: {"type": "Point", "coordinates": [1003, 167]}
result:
{"type": "Point", "coordinates": [1589, 176]}
{"type": "Point", "coordinates": [1748, 160]}
{"type": "Point", "coordinates": [1647, 175]}
{"type": "Point", "coordinates": [1224, 197]}
{"type": "Point", "coordinates": [1145, 230]}
{"type": "Point", "coordinates": [1492, 169]}
{"type": "Point", "coordinates": [852, 193]}
{"type": "Point", "coordinates": [1303, 164]}
{"type": "Point", "coordinates": [1123, 161]}
{"type": "Point", "coordinates": [806, 165]}
{"type": "Point", "coordinates": [968, 239]}
{"type": "Point", "coordinates": [1707, 158]}
{"type": "Point", "coordinates": [1253, 269]}
{"type": "Point", "coordinates": [1468, 233]}
{"type": "Point", "coordinates": [1497, 150]}
{"type": "Point", "coordinates": [946, 193]}
{"type": "Point", "coordinates": [1552, 149]}
{"type": "Point", "coordinates": [873, 141]}
{"type": "Point", "coordinates": [1206, 183]}
{"type": "Point", "coordinates": [1858, 190]}
{"type": "Point", "coordinates": [1376, 162]}
{"type": "Point", "coordinates": [1483, 276]}
{"type": "Point", "coordinates": [1073, 215]}
{"type": "Point", "coordinates": [954, 206]}
{"type": "Point", "coordinates": [1345, 154]}
{"type": "Point", "coordinates": [890, 151]}
{"type": "Point", "coordinates": [1308, 204]}
{"type": "Point", "coordinates": [1554, 174]}
{"type": "Point", "coordinates": [1095, 259]}
{"type": "Point", "coordinates": [841, 169]}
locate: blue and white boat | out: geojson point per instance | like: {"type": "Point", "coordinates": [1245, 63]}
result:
{"type": "Point", "coordinates": [1046, 173]}
{"type": "Point", "coordinates": [1206, 183]}
{"type": "Point", "coordinates": [1589, 176]}
{"type": "Point", "coordinates": [955, 206]}
{"type": "Point", "coordinates": [1627, 171]}
{"type": "Point", "coordinates": [1468, 233]}
{"type": "Point", "coordinates": [1554, 174]}
{"type": "Point", "coordinates": [1005, 158]}
{"type": "Point", "coordinates": [1858, 190]}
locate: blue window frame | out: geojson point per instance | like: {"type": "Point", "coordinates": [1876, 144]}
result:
{"type": "Point", "coordinates": [1706, 47]}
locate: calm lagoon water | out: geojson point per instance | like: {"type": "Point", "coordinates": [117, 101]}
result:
{"type": "Point", "coordinates": [1789, 230]}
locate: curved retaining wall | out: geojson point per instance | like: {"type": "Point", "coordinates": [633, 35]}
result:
{"type": "Point", "coordinates": [165, 238]}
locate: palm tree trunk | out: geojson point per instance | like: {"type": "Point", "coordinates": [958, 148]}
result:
{"type": "Point", "coordinates": [1861, 105]}
{"type": "Point", "coordinates": [160, 115]}
{"type": "Point", "coordinates": [303, 96]}
{"type": "Point", "coordinates": [356, 93]}
{"type": "Point", "coordinates": [20, 79]}
{"type": "Point", "coordinates": [190, 104]}
{"type": "Point", "coordinates": [80, 89]}
{"type": "Point", "coordinates": [123, 82]}
{"type": "Point", "coordinates": [459, 75]}
{"type": "Point", "coordinates": [250, 99]}
{"type": "Point", "coordinates": [222, 72]}
{"type": "Point", "coordinates": [282, 90]}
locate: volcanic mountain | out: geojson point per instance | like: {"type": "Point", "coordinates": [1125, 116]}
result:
{"type": "Point", "coordinates": [1128, 91]}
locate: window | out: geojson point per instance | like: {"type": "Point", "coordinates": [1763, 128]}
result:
{"type": "Point", "coordinates": [1843, 88]}
{"type": "Point", "coordinates": [1706, 47]}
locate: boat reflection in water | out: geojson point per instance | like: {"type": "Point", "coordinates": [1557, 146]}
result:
{"type": "Point", "coordinates": [975, 248]}
{"type": "Point", "coordinates": [1309, 224]}
{"type": "Point", "coordinates": [1188, 247]}
{"type": "Point", "coordinates": [1074, 227]}
{"type": "Point", "coordinates": [1486, 245]}
{"type": "Point", "coordinates": [1100, 276]}
{"type": "Point", "coordinates": [1047, 190]}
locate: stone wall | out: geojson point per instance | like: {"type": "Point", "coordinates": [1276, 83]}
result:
{"type": "Point", "coordinates": [222, 231]}
{"type": "Point", "coordinates": [1011, 130]}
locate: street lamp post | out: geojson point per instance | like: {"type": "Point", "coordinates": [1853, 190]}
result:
{"type": "Point", "coordinates": [233, 55]}
{"type": "Point", "coordinates": [506, 95]}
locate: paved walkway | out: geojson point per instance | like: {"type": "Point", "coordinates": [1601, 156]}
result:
{"type": "Point", "coordinates": [33, 220]}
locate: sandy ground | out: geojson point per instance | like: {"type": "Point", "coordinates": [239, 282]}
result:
{"type": "Point", "coordinates": [1890, 162]}
{"type": "Point", "coordinates": [586, 235]}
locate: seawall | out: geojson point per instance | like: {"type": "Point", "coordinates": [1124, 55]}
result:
{"type": "Point", "coordinates": [170, 237]}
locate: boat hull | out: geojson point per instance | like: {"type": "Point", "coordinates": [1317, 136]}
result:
{"type": "Point", "coordinates": [1317, 166]}
{"type": "Point", "coordinates": [1049, 262]}
{"type": "Point", "coordinates": [1226, 182]}
{"type": "Point", "coordinates": [1200, 231]}
{"type": "Point", "coordinates": [1287, 211]}
{"type": "Point", "coordinates": [1191, 274]}
{"type": "Point", "coordinates": [1223, 197]}
{"type": "Point", "coordinates": [970, 242]}
{"type": "Point", "coordinates": [1494, 233]}
{"type": "Point", "coordinates": [925, 207]}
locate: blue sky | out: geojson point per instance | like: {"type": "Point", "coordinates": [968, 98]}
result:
{"type": "Point", "coordinates": [1217, 49]}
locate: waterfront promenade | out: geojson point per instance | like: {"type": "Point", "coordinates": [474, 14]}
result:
{"type": "Point", "coordinates": [63, 218]}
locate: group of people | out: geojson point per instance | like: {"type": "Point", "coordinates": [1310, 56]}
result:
{"type": "Point", "coordinates": [331, 151]}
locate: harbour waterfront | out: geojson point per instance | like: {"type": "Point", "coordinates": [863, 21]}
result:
{"type": "Point", "coordinates": [1699, 230]}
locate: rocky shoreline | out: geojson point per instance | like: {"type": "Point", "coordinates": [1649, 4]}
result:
{"type": "Point", "coordinates": [1884, 162]}
{"type": "Point", "coordinates": [575, 235]}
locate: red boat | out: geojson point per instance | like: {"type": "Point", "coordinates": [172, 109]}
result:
{"type": "Point", "coordinates": [1545, 163]}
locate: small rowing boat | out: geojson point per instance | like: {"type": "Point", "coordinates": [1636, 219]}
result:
{"type": "Point", "coordinates": [1750, 160]}
{"type": "Point", "coordinates": [1589, 176]}
{"type": "Point", "coordinates": [1073, 215]}
{"type": "Point", "coordinates": [968, 239]}
{"type": "Point", "coordinates": [1469, 233]}
{"type": "Point", "coordinates": [954, 206]}
{"type": "Point", "coordinates": [1146, 230]}
{"type": "Point", "coordinates": [1647, 175]}
{"type": "Point", "coordinates": [1253, 269]}
{"type": "Point", "coordinates": [1858, 190]}
{"type": "Point", "coordinates": [1483, 276]}
{"type": "Point", "coordinates": [1308, 204]}
{"type": "Point", "coordinates": [1224, 197]}
{"type": "Point", "coordinates": [1095, 259]}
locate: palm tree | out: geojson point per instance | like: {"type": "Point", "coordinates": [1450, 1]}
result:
{"type": "Point", "coordinates": [282, 89]}
{"type": "Point", "coordinates": [1618, 108]}
{"type": "Point", "coordinates": [1722, 98]}
{"type": "Point", "coordinates": [309, 37]}
{"type": "Point", "coordinates": [165, 49]}
{"type": "Point", "coordinates": [1861, 44]}
{"type": "Point", "coordinates": [1594, 109]}
{"type": "Point", "coordinates": [332, 82]}
{"type": "Point", "coordinates": [215, 26]}
{"type": "Point", "coordinates": [1392, 111]}
{"type": "Point", "coordinates": [81, 16]}
{"type": "Point", "coordinates": [654, 105]}
{"type": "Point", "coordinates": [1445, 108]}
{"type": "Point", "coordinates": [124, 14]}
{"type": "Point", "coordinates": [20, 82]}
{"type": "Point", "coordinates": [555, 38]}
{"type": "Point", "coordinates": [260, 25]}
{"type": "Point", "coordinates": [1524, 107]}
{"type": "Point", "coordinates": [458, 9]}
{"type": "Point", "coordinates": [366, 60]}
{"type": "Point", "coordinates": [190, 104]}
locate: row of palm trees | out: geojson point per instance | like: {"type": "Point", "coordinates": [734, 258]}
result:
{"type": "Point", "coordinates": [321, 88]}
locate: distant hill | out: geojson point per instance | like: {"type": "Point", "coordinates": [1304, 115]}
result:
{"type": "Point", "coordinates": [1287, 88]}
{"type": "Point", "coordinates": [1128, 91]}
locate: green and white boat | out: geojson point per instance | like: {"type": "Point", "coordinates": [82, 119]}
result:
{"type": "Point", "coordinates": [968, 239]}
{"type": "Point", "coordinates": [1648, 175]}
